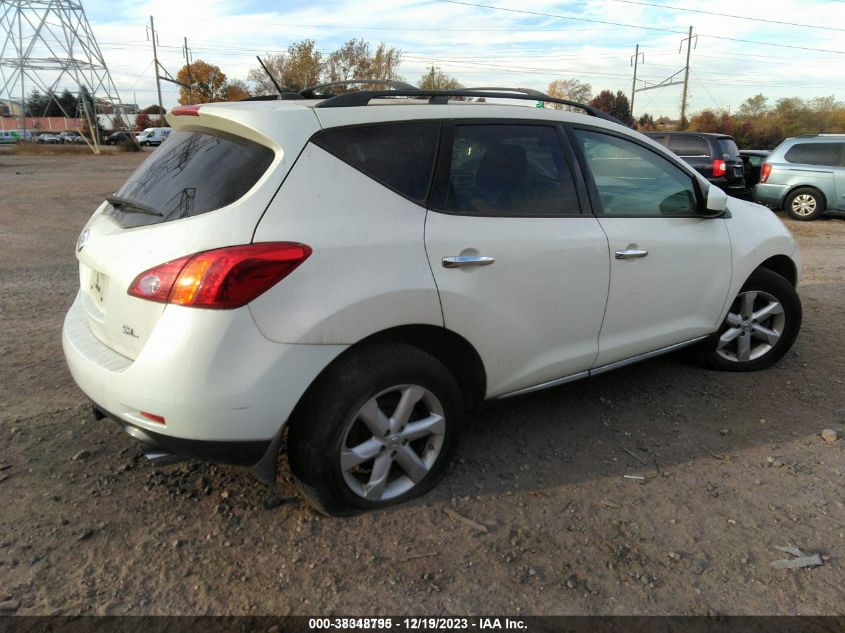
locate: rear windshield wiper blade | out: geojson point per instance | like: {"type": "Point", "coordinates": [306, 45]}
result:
{"type": "Point", "coordinates": [129, 206]}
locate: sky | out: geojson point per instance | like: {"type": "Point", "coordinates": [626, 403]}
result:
{"type": "Point", "coordinates": [788, 49]}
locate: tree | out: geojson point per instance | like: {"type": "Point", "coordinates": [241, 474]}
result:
{"type": "Point", "coordinates": [646, 122]}
{"type": "Point", "coordinates": [616, 105]}
{"type": "Point", "coordinates": [354, 61]}
{"type": "Point", "coordinates": [154, 109]}
{"type": "Point", "coordinates": [207, 82]}
{"type": "Point", "coordinates": [301, 66]}
{"type": "Point", "coordinates": [754, 106]}
{"type": "Point", "coordinates": [436, 79]}
{"type": "Point", "coordinates": [236, 90]}
{"type": "Point", "coordinates": [143, 121]}
{"type": "Point", "coordinates": [571, 89]}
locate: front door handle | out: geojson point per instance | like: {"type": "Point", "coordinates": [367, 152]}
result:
{"type": "Point", "coordinates": [631, 253]}
{"type": "Point", "coordinates": [467, 260]}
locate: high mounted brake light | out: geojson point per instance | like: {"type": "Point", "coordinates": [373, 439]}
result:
{"type": "Point", "coordinates": [220, 279]}
{"type": "Point", "coordinates": [186, 110]}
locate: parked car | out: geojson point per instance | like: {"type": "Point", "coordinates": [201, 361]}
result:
{"type": "Point", "coordinates": [805, 176]}
{"type": "Point", "coordinates": [357, 277]}
{"type": "Point", "coordinates": [714, 156]}
{"type": "Point", "coordinates": [7, 137]}
{"type": "Point", "coordinates": [752, 160]}
{"type": "Point", "coordinates": [153, 136]}
{"type": "Point", "coordinates": [115, 138]}
{"type": "Point", "coordinates": [70, 137]}
{"type": "Point", "coordinates": [47, 138]}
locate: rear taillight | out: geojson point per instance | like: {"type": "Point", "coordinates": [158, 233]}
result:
{"type": "Point", "coordinates": [223, 278]}
{"type": "Point", "coordinates": [765, 170]}
{"type": "Point", "coordinates": [718, 168]}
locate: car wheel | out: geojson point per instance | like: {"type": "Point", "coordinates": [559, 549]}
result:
{"type": "Point", "coordinates": [805, 203]}
{"type": "Point", "coordinates": [760, 327]}
{"type": "Point", "coordinates": [378, 428]}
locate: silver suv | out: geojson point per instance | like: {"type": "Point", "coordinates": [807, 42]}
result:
{"type": "Point", "coordinates": [805, 176]}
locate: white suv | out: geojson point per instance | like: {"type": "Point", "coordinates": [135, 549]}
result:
{"type": "Point", "coordinates": [358, 271]}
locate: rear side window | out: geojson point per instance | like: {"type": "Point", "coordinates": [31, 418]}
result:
{"type": "Point", "coordinates": [509, 170]}
{"type": "Point", "coordinates": [689, 145]}
{"type": "Point", "coordinates": [398, 155]}
{"type": "Point", "coordinates": [814, 153]}
{"type": "Point", "coordinates": [193, 173]}
{"type": "Point", "coordinates": [728, 148]}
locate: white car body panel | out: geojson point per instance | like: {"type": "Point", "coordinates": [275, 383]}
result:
{"type": "Point", "coordinates": [368, 271]}
{"type": "Point", "coordinates": [534, 314]}
{"type": "Point", "coordinates": [672, 295]}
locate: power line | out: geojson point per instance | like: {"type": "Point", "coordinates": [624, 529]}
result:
{"type": "Point", "coordinates": [728, 15]}
{"type": "Point", "coordinates": [637, 26]}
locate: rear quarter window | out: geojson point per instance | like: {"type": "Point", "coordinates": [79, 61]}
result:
{"type": "Point", "coordinates": [728, 148]}
{"type": "Point", "coordinates": [814, 153]}
{"type": "Point", "coordinates": [684, 145]}
{"type": "Point", "coordinates": [397, 155]}
{"type": "Point", "coordinates": [193, 173]}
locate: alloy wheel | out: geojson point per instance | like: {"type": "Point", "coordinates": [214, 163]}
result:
{"type": "Point", "coordinates": [755, 324]}
{"type": "Point", "coordinates": [804, 204]}
{"type": "Point", "coordinates": [392, 442]}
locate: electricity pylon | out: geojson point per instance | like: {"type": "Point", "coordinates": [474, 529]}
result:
{"type": "Point", "coordinates": [48, 46]}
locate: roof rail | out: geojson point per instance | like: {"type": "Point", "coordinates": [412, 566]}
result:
{"type": "Point", "coordinates": [363, 97]}
{"type": "Point", "coordinates": [313, 92]}
{"type": "Point", "coordinates": [283, 96]}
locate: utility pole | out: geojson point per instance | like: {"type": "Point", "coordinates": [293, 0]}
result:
{"type": "Point", "coordinates": [635, 59]}
{"type": "Point", "coordinates": [187, 53]}
{"type": "Point", "coordinates": [686, 79]}
{"type": "Point", "coordinates": [153, 37]}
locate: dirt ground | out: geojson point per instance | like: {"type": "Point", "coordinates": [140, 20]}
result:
{"type": "Point", "coordinates": [535, 517]}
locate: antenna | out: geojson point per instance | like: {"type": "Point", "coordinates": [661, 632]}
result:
{"type": "Point", "coordinates": [273, 79]}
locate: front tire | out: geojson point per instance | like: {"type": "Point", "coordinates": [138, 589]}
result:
{"type": "Point", "coordinates": [379, 427]}
{"type": "Point", "coordinates": [760, 327]}
{"type": "Point", "coordinates": [804, 204]}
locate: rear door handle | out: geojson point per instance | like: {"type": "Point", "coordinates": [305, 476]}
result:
{"type": "Point", "coordinates": [631, 253]}
{"type": "Point", "coordinates": [466, 260]}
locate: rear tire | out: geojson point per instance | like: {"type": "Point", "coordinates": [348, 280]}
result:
{"type": "Point", "coordinates": [760, 327]}
{"type": "Point", "coordinates": [378, 427]}
{"type": "Point", "coordinates": [804, 204]}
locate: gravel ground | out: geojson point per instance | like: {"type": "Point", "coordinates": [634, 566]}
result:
{"type": "Point", "coordinates": [535, 517]}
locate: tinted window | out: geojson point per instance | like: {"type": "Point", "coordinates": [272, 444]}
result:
{"type": "Point", "coordinates": [398, 155]}
{"type": "Point", "coordinates": [728, 148]}
{"type": "Point", "coordinates": [193, 173]}
{"type": "Point", "coordinates": [689, 145]}
{"type": "Point", "coordinates": [814, 153]}
{"type": "Point", "coordinates": [632, 180]}
{"type": "Point", "coordinates": [754, 160]}
{"type": "Point", "coordinates": [509, 170]}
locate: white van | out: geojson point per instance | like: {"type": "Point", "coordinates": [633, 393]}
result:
{"type": "Point", "coordinates": [153, 136]}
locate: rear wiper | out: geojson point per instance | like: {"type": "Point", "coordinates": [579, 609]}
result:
{"type": "Point", "coordinates": [131, 206]}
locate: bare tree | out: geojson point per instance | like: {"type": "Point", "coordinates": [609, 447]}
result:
{"type": "Point", "coordinates": [436, 79]}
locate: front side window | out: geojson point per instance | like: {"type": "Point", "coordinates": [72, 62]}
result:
{"type": "Point", "coordinates": [634, 181]}
{"type": "Point", "coordinates": [398, 155]}
{"type": "Point", "coordinates": [509, 170]}
{"type": "Point", "coordinates": [193, 173]}
{"type": "Point", "coordinates": [814, 153]}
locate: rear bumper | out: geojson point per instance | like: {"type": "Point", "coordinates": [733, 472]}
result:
{"type": "Point", "coordinates": [210, 374]}
{"type": "Point", "coordinates": [157, 445]}
{"type": "Point", "coordinates": [728, 184]}
{"type": "Point", "coordinates": [769, 194]}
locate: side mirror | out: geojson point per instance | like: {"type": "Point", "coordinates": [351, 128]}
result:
{"type": "Point", "coordinates": [717, 202]}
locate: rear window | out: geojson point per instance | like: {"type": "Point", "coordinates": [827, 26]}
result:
{"type": "Point", "coordinates": [398, 155]}
{"type": "Point", "coordinates": [814, 153]}
{"type": "Point", "coordinates": [684, 145]}
{"type": "Point", "coordinates": [728, 148]}
{"type": "Point", "coordinates": [192, 173]}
